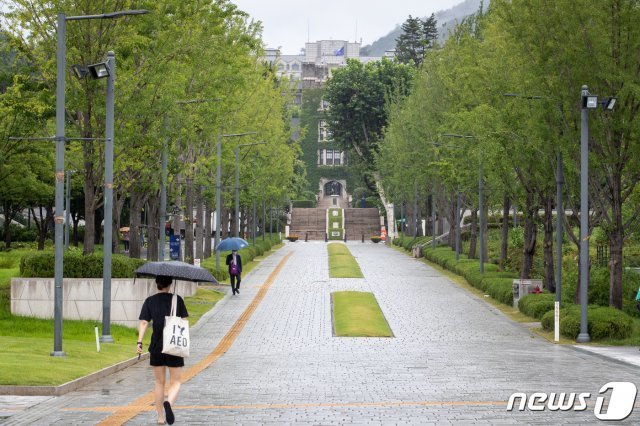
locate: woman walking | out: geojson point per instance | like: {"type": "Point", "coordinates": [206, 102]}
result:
{"type": "Point", "coordinates": [154, 309]}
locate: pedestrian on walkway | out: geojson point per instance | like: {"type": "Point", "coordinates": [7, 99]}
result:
{"type": "Point", "coordinates": [154, 310]}
{"type": "Point", "coordinates": [234, 260]}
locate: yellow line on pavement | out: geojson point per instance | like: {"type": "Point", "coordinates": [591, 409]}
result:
{"type": "Point", "coordinates": [124, 414]}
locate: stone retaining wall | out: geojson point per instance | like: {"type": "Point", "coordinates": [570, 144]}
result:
{"type": "Point", "coordinates": [82, 298]}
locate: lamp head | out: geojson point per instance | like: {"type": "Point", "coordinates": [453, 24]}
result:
{"type": "Point", "coordinates": [609, 103]}
{"type": "Point", "coordinates": [590, 101]}
{"type": "Point", "coordinates": [100, 70]}
{"type": "Point", "coordinates": [80, 71]}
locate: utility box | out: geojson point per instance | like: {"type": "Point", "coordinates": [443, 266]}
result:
{"type": "Point", "coordinates": [523, 287]}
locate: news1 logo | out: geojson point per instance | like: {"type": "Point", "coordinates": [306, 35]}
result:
{"type": "Point", "coordinates": [619, 407]}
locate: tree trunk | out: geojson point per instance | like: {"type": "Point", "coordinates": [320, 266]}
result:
{"type": "Point", "coordinates": [136, 203]}
{"type": "Point", "coordinates": [188, 223]}
{"type": "Point", "coordinates": [178, 204]}
{"type": "Point", "coordinates": [409, 214]}
{"type": "Point", "coordinates": [207, 230]}
{"type": "Point", "coordinates": [154, 226]}
{"type": "Point", "coordinates": [99, 216]}
{"type": "Point", "coordinates": [504, 243]}
{"type": "Point", "coordinates": [118, 205]}
{"type": "Point", "coordinates": [451, 240]}
{"type": "Point", "coordinates": [89, 201]}
{"type": "Point", "coordinates": [199, 225]}
{"type": "Point", "coordinates": [391, 232]}
{"type": "Point", "coordinates": [76, 220]}
{"type": "Point", "coordinates": [6, 209]}
{"type": "Point", "coordinates": [549, 271]}
{"type": "Point", "coordinates": [530, 235]}
{"type": "Point", "coordinates": [616, 242]}
{"type": "Point", "coordinates": [473, 239]}
{"type": "Point", "coordinates": [43, 224]}
{"type": "Point", "coordinates": [224, 222]}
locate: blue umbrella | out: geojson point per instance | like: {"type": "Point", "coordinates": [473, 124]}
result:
{"type": "Point", "coordinates": [232, 243]}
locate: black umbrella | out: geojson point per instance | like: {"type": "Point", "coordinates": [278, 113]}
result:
{"type": "Point", "coordinates": [178, 270]}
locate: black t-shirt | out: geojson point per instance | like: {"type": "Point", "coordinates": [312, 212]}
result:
{"type": "Point", "coordinates": [154, 309]}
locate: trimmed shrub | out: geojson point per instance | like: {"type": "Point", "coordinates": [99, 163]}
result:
{"type": "Point", "coordinates": [599, 287]}
{"type": "Point", "coordinates": [501, 289]}
{"type": "Point", "coordinates": [75, 265]}
{"type": "Point", "coordinates": [603, 322]}
{"type": "Point", "coordinates": [376, 239]}
{"type": "Point", "coordinates": [292, 237]}
{"type": "Point", "coordinates": [537, 305]}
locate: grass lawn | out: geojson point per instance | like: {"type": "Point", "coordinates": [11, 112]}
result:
{"type": "Point", "coordinates": [341, 263]}
{"type": "Point", "coordinates": [28, 342]}
{"type": "Point", "coordinates": [357, 314]}
{"type": "Point", "coordinates": [199, 304]}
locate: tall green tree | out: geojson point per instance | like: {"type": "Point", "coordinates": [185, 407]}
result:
{"type": "Point", "coordinates": [358, 95]}
{"type": "Point", "coordinates": [417, 37]}
{"type": "Point", "coordinates": [568, 46]}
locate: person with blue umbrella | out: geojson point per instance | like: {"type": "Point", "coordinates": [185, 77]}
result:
{"type": "Point", "coordinates": [234, 260]}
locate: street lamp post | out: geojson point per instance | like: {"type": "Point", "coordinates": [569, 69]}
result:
{"type": "Point", "coordinates": [583, 336]}
{"type": "Point", "coordinates": [589, 101]}
{"type": "Point", "coordinates": [237, 219]}
{"type": "Point", "coordinates": [108, 202]}
{"type": "Point", "coordinates": [218, 189]}
{"type": "Point", "coordinates": [61, 65]}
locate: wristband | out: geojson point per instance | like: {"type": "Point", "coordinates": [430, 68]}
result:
{"type": "Point", "coordinates": [139, 343]}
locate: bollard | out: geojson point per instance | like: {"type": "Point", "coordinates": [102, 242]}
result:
{"type": "Point", "coordinates": [326, 237]}
{"type": "Point", "coordinates": [306, 237]}
{"type": "Point", "coordinates": [363, 238]}
{"type": "Point", "coordinates": [345, 237]}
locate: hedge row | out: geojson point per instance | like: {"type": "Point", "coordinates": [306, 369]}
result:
{"type": "Point", "coordinates": [599, 287]}
{"type": "Point", "coordinates": [603, 322]}
{"type": "Point", "coordinates": [537, 305]}
{"type": "Point", "coordinates": [495, 283]}
{"type": "Point", "coordinates": [75, 265]}
{"type": "Point", "coordinates": [247, 254]}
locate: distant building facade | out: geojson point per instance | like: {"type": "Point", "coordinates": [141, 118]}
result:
{"type": "Point", "coordinates": [326, 163]}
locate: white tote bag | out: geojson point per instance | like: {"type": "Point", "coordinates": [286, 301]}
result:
{"type": "Point", "coordinates": [175, 335]}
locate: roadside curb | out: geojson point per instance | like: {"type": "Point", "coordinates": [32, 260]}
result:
{"type": "Point", "coordinates": [72, 385]}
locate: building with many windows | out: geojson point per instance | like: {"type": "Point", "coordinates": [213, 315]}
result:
{"type": "Point", "coordinates": [327, 165]}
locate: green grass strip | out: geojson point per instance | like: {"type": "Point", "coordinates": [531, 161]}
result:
{"type": "Point", "coordinates": [357, 314]}
{"type": "Point", "coordinates": [27, 343]}
{"type": "Point", "coordinates": [341, 263]}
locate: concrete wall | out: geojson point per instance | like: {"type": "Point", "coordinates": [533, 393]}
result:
{"type": "Point", "coordinates": [82, 298]}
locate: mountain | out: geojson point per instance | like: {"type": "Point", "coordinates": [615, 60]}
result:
{"type": "Point", "coordinates": [447, 20]}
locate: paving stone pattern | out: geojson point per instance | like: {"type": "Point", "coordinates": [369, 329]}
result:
{"type": "Point", "coordinates": [453, 359]}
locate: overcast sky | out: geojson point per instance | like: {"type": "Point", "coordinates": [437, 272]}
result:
{"type": "Point", "coordinates": [289, 23]}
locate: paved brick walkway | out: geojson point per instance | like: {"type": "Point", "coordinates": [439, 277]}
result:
{"type": "Point", "coordinates": [454, 359]}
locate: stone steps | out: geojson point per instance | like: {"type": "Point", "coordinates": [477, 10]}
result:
{"type": "Point", "coordinates": [313, 223]}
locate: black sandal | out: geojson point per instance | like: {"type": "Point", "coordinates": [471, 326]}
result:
{"type": "Point", "coordinates": [168, 413]}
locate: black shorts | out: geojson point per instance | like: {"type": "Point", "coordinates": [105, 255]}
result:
{"type": "Point", "coordinates": [160, 359]}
